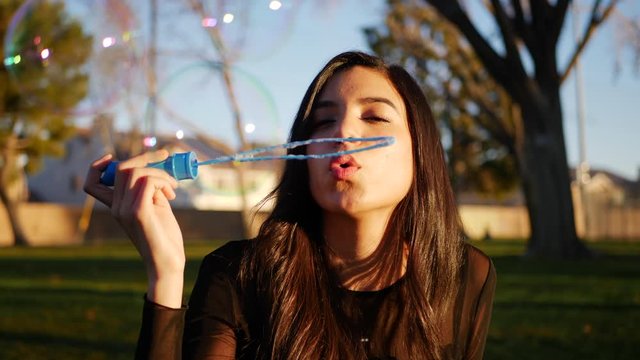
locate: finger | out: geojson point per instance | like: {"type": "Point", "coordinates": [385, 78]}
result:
{"type": "Point", "coordinates": [169, 192]}
{"type": "Point", "coordinates": [122, 182]}
{"type": "Point", "coordinates": [142, 178]}
{"type": "Point", "coordinates": [92, 185]}
{"type": "Point", "coordinates": [149, 190]}
{"type": "Point", "coordinates": [162, 196]}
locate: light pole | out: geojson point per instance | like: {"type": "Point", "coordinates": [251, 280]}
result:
{"type": "Point", "coordinates": [582, 170]}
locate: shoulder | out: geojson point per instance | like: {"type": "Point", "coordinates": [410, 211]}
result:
{"type": "Point", "coordinates": [480, 270]}
{"type": "Point", "coordinates": [215, 293]}
{"type": "Point", "coordinates": [222, 264]}
{"type": "Point", "coordinates": [218, 273]}
{"type": "Point", "coordinates": [227, 256]}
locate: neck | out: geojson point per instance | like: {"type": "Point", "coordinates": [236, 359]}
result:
{"type": "Point", "coordinates": [353, 239]}
{"type": "Point", "coordinates": [362, 253]}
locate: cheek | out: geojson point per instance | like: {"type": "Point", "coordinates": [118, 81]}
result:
{"type": "Point", "coordinates": [317, 149]}
{"type": "Point", "coordinates": [401, 165]}
{"type": "Point", "coordinates": [314, 168]}
{"type": "Point", "coordinates": [405, 171]}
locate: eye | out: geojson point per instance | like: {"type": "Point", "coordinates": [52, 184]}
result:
{"type": "Point", "coordinates": [375, 119]}
{"type": "Point", "coordinates": [321, 124]}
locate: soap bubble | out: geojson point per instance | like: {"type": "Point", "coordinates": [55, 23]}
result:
{"type": "Point", "coordinates": [70, 57]}
{"type": "Point", "coordinates": [194, 99]}
{"type": "Point", "coordinates": [259, 28]}
{"type": "Point", "coordinates": [246, 30]}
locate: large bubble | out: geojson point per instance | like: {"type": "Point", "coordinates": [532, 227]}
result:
{"type": "Point", "coordinates": [196, 99]}
{"type": "Point", "coordinates": [252, 29]}
{"type": "Point", "coordinates": [194, 104]}
{"type": "Point", "coordinates": [233, 29]}
{"type": "Point", "coordinates": [70, 57]}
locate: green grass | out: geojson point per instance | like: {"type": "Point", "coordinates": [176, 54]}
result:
{"type": "Point", "coordinates": [85, 302]}
{"type": "Point", "coordinates": [583, 309]}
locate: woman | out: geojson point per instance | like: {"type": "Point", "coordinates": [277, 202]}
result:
{"type": "Point", "coordinates": [362, 256]}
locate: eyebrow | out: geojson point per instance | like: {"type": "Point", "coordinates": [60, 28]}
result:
{"type": "Point", "coordinates": [366, 100]}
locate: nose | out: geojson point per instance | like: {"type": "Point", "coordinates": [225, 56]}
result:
{"type": "Point", "coordinates": [347, 126]}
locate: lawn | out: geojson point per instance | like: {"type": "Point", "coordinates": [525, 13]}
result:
{"type": "Point", "coordinates": [84, 302]}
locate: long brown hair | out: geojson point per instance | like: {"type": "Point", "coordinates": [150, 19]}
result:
{"type": "Point", "coordinates": [286, 265]}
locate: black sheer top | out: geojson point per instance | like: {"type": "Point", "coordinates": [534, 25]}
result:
{"type": "Point", "coordinates": [217, 324]}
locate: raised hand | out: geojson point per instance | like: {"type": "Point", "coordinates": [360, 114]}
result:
{"type": "Point", "coordinates": [139, 201]}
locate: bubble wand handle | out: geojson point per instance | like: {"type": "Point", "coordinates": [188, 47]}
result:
{"type": "Point", "coordinates": [185, 165]}
{"type": "Point", "coordinates": [180, 165]}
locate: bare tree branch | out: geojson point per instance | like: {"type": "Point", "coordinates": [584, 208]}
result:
{"type": "Point", "coordinates": [495, 64]}
{"type": "Point", "coordinates": [594, 22]}
{"type": "Point", "coordinates": [521, 26]}
{"type": "Point", "coordinates": [560, 15]}
{"type": "Point", "coordinates": [538, 15]}
{"type": "Point", "coordinates": [513, 54]}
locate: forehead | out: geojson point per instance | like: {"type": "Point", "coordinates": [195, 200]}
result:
{"type": "Point", "coordinates": [361, 82]}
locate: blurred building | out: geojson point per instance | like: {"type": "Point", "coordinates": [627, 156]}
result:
{"type": "Point", "coordinates": [606, 205]}
{"type": "Point", "coordinates": [216, 187]}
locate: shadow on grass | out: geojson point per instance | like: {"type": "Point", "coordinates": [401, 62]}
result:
{"type": "Point", "coordinates": [56, 305]}
{"type": "Point", "coordinates": [78, 344]}
{"type": "Point", "coordinates": [620, 266]}
{"type": "Point", "coordinates": [577, 309]}
{"type": "Point", "coordinates": [563, 306]}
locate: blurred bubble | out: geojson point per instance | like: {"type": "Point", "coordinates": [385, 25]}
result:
{"type": "Point", "coordinates": [194, 99]}
{"type": "Point", "coordinates": [70, 57]}
{"type": "Point", "coordinates": [251, 29]}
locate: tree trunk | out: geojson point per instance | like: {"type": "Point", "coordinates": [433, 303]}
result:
{"type": "Point", "coordinates": [547, 185]}
{"type": "Point", "coordinates": [19, 237]}
{"type": "Point", "coordinates": [9, 175]}
{"type": "Point", "coordinates": [218, 43]}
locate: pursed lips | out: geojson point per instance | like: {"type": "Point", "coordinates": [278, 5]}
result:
{"type": "Point", "coordinates": [343, 167]}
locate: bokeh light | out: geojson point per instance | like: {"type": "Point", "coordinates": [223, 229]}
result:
{"type": "Point", "coordinates": [209, 22]}
{"type": "Point", "coordinates": [250, 29]}
{"type": "Point", "coordinates": [275, 5]}
{"type": "Point", "coordinates": [250, 128]}
{"type": "Point", "coordinates": [227, 18]}
{"type": "Point", "coordinates": [44, 54]}
{"type": "Point", "coordinates": [149, 141]}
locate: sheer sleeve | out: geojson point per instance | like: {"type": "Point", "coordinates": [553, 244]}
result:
{"type": "Point", "coordinates": [161, 332]}
{"type": "Point", "coordinates": [214, 312]}
{"type": "Point", "coordinates": [485, 278]}
{"type": "Point", "coordinates": [209, 326]}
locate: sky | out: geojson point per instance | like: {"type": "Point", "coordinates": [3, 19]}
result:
{"type": "Point", "coordinates": [271, 82]}
{"type": "Point", "coordinates": [611, 103]}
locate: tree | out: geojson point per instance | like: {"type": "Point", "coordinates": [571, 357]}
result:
{"type": "Point", "coordinates": [32, 112]}
{"type": "Point", "coordinates": [477, 118]}
{"type": "Point", "coordinates": [523, 59]}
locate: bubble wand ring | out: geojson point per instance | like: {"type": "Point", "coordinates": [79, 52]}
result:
{"type": "Point", "coordinates": [247, 156]}
{"type": "Point", "coordinates": [185, 165]}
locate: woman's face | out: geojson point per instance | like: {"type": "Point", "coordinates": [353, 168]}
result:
{"type": "Point", "coordinates": [360, 102]}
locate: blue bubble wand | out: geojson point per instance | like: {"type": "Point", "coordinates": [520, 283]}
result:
{"type": "Point", "coordinates": [185, 165]}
